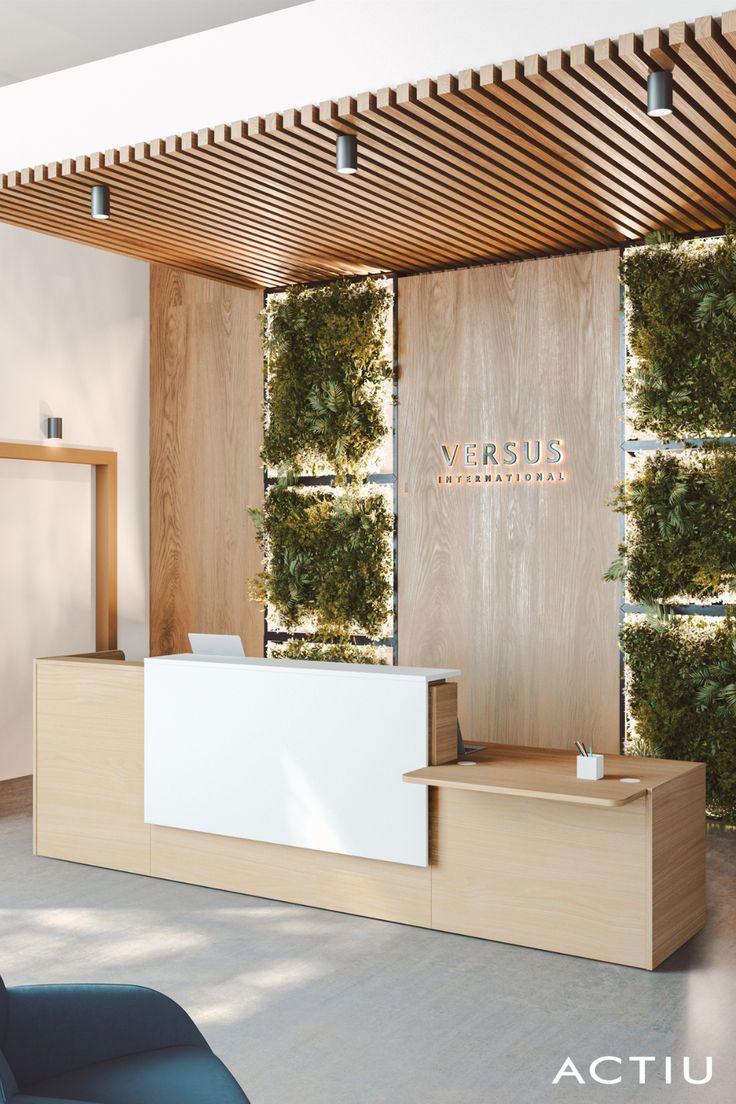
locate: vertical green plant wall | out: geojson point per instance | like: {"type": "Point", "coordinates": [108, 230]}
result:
{"type": "Point", "coordinates": [328, 550]}
{"type": "Point", "coordinates": [680, 505]}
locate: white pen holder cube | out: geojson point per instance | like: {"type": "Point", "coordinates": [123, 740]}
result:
{"type": "Point", "coordinates": [590, 767]}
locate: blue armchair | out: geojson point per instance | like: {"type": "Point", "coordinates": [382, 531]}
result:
{"type": "Point", "coordinates": [108, 1044]}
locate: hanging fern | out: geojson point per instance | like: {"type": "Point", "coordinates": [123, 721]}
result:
{"type": "Point", "coordinates": [327, 560]}
{"type": "Point", "coordinates": [681, 691]}
{"type": "Point", "coordinates": [717, 685]}
{"type": "Point", "coordinates": [334, 651]}
{"type": "Point", "coordinates": [681, 314]}
{"type": "Point", "coordinates": [326, 371]}
{"type": "Point", "coordinates": [680, 527]}
{"type": "Point", "coordinates": [328, 554]}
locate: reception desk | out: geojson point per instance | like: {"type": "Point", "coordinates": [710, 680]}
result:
{"type": "Point", "coordinates": [337, 786]}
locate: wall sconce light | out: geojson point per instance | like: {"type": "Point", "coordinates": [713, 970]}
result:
{"type": "Point", "coordinates": [659, 93]}
{"type": "Point", "coordinates": [53, 431]}
{"type": "Point", "coordinates": [346, 153]}
{"type": "Point", "coordinates": [100, 202]}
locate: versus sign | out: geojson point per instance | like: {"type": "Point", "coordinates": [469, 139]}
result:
{"type": "Point", "coordinates": [502, 462]}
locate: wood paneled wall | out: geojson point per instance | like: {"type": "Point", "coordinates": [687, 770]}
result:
{"type": "Point", "coordinates": [503, 579]}
{"type": "Point", "coordinates": [206, 403]}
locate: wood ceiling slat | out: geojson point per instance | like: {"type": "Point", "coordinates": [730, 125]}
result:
{"type": "Point", "coordinates": [216, 163]}
{"type": "Point", "coordinates": [602, 70]}
{"type": "Point", "coordinates": [630, 65]}
{"type": "Point", "coordinates": [406, 163]}
{"type": "Point", "coordinates": [252, 214]}
{"type": "Point", "coordinates": [715, 121]}
{"type": "Point", "coordinates": [283, 151]}
{"type": "Point", "coordinates": [241, 219]}
{"type": "Point", "coordinates": [157, 203]}
{"type": "Point", "coordinates": [55, 218]}
{"type": "Point", "coordinates": [73, 201]}
{"type": "Point", "coordinates": [567, 149]}
{"type": "Point", "coordinates": [497, 190]}
{"type": "Point", "coordinates": [331, 207]}
{"type": "Point", "coordinates": [669, 174]}
{"type": "Point", "coordinates": [592, 204]}
{"type": "Point", "coordinates": [549, 155]}
{"type": "Point", "coordinates": [24, 210]}
{"type": "Point", "coordinates": [144, 212]}
{"type": "Point", "coordinates": [728, 27]}
{"type": "Point", "coordinates": [710, 40]}
{"type": "Point", "coordinates": [487, 165]}
{"type": "Point", "coordinates": [163, 201]}
{"type": "Point", "coordinates": [589, 146]}
{"type": "Point", "coordinates": [480, 94]}
{"type": "Point", "coordinates": [222, 195]}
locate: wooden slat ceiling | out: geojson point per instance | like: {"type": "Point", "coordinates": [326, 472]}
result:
{"type": "Point", "coordinates": [550, 155]}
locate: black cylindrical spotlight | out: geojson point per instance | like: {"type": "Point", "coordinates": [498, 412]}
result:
{"type": "Point", "coordinates": [659, 93]}
{"type": "Point", "coordinates": [100, 202]}
{"type": "Point", "coordinates": [53, 430]}
{"type": "Point", "coordinates": [346, 153]}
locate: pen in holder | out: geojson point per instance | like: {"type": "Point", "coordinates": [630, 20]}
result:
{"type": "Point", "coordinates": [590, 767]}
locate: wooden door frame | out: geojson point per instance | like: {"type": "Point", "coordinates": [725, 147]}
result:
{"type": "Point", "coordinates": [105, 464]}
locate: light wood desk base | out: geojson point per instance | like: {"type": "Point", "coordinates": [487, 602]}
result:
{"type": "Point", "coordinates": [519, 851]}
{"type": "Point", "coordinates": [523, 852]}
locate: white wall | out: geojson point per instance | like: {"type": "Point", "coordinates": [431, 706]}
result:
{"type": "Point", "coordinates": [320, 50]}
{"type": "Point", "coordinates": [73, 342]}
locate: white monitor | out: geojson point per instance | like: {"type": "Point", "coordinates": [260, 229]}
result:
{"type": "Point", "coordinates": [215, 644]}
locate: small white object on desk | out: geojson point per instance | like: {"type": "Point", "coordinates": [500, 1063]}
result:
{"type": "Point", "coordinates": [590, 767]}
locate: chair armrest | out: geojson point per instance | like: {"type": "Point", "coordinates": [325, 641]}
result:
{"type": "Point", "coordinates": [56, 1028]}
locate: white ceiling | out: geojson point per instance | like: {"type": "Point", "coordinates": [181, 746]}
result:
{"type": "Point", "coordinates": [306, 53]}
{"type": "Point", "coordinates": [44, 36]}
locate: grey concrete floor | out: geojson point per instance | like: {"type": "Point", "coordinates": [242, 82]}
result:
{"type": "Point", "coordinates": [312, 1007]}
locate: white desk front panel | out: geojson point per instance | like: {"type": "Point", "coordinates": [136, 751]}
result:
{"type": "Point", "coordinates": [304, 754]}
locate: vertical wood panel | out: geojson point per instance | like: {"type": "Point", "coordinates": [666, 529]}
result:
{"type": "Point", "coordinates": [442, 723]}
{"type": "Point", "coordinates": [513, 869]}
{"type": "Point", "coordinates": [678, 862]}
{"type": "Point", "coordinates": [504, 580]}
{"type": "Point", "coordinates": [88, 746]}
{"type": "Point", "coordinates": [206, 401]}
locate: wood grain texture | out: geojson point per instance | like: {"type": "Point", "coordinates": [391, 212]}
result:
{"type": "Point", "coordinates": [16, 796]}
{"type": "Point", "coordinates": [528, 158]}
{"type": "Point", "coordinates": [526, 781]}
{"type": "Point", "coordinates": [88, 804]}
{"type": "Point", "coordinates": [623, 884]}
{"type": "Point", "coordinates": [105, 464]}
{"type": "Point", "coordinates": [504, 580]}
{"type": "Point", "coordinates": [206, 405]}
{"type": "Point", "coordinates": [677, 841]}
{"type": "Point", "coordinates": [549, 774]}
{"type": "Point", "coordinates": [443, 722]}
{"type": "Point", "coordinates": [366, 887]}
{"type": "Point", "coordinates": [567, 878]}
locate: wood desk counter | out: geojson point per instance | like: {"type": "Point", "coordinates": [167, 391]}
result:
{"type": "Point", "coordinates": [548, 774]}
{"type": "Point", "coordinates": [524, 852]}
{"type": "Point", "coordinates": [520, 851]}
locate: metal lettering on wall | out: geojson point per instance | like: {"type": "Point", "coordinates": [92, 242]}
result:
{"type": "Point", "coordinates": [494, 462]}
